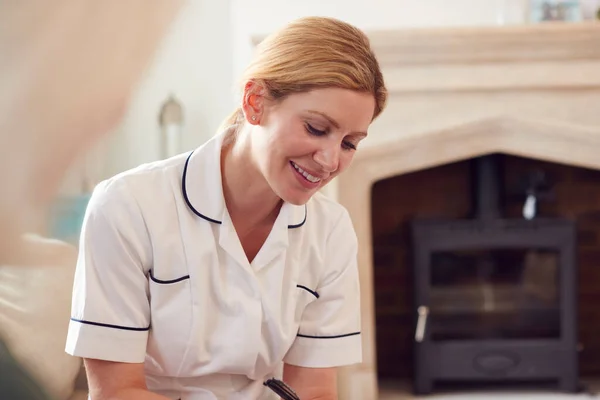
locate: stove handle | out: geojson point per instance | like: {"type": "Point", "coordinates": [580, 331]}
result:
{"type": "Point", "coordinates": [423, 312]}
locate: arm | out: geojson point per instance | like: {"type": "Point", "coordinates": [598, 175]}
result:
{"type": "Point", "coordinates": [329, 332]}
{"type": "Point", "coordinates": [109, 380]}
{"type": "Point", "coordinates": [311, 383]}
{"type": "Point", "coordinates": [110, 306]}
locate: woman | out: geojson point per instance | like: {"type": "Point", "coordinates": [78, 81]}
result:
{"type": "Point", "coordinates": [203, 275]}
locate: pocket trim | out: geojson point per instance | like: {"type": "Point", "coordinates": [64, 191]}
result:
{"type": "Point", "coordinates": [309, 291]}
{"type": "Point", "coordinates": [183, 278]}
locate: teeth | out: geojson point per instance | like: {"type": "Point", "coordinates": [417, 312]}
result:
{"type": "Point", "coordinates": [305, 174]}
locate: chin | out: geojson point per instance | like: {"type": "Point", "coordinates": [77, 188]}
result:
{"type": "Point", "coordinates": [296, 198]}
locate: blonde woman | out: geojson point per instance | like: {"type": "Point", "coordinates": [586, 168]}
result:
{"type": "Point", "coordinates": [203, 276]}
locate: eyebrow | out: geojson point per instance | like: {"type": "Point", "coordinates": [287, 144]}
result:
{"type": "Point", "coordinates": [334, 122]}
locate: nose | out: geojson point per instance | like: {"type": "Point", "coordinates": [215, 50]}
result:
{"type": "Point", "coordinates": [328, 157]}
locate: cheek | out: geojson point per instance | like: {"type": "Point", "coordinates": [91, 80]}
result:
{"type": "Point", "coordinates": [345, 160]}
{"type": "Point", "coordinates": [293, 143]}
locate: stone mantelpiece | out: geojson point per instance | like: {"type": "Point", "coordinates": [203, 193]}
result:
{"type": "Point", "coordinates": [531, 91]}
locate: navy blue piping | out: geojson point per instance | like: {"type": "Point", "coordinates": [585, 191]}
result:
{"type": "Point", "coordinates": [301, 223]}
{"type": "Point", "coordinates": [125, 328]}
{"type": "Point", "coordinates": [189, 204]}
{"type": "Point", "coordinates": [185, 196]}
{"type": "Point", "coordinates": [309, 291]}
{"type": "Point", "coordinates": [183, 278]}
{"type": "Point", "coordinates": [329, 337]}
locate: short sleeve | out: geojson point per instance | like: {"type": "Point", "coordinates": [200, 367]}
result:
{"type": "Point", "coordinates": [110, 314]}
{"type": "Point", "coordinates": [329, 333]}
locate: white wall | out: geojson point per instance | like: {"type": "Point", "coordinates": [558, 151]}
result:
{"type": "Point", "coordinates": [194, 62]}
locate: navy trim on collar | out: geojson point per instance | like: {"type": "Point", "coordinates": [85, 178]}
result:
{"type": "Point", "coordinates": [198, 213]}
{"type": "Point", "coordinates": [301, 223]}
{"type": "Point", "coordinates": [185, 195]}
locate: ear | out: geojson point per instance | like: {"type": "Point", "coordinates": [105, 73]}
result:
{"type": "Point", "coordinates": [253, 101]}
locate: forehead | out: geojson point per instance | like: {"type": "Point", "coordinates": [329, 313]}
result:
{"type": "Point", "coordinates": [351, 109]}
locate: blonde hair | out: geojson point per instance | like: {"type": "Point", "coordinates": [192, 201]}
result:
{"type": "Point", "coordinates": [314, 53]}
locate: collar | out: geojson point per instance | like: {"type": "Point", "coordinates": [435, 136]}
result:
{"type": "Point", "coordinates": [202, 187]}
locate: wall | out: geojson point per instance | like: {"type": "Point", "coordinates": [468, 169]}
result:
{"type": "Point", "coordinates": [194, 63]}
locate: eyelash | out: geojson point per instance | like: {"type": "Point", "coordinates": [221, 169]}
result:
{"type": "Point", "coordinates": [316, 132]}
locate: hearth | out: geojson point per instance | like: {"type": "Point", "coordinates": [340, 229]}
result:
{"type": "Point", "coordinates": [495, 297]}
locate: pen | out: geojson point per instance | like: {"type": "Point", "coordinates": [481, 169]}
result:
{"type": "Point", "coordinates": [281, 389]}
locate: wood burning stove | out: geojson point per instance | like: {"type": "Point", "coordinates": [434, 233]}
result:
{"type": "Point", "coordinates": [495, 297]}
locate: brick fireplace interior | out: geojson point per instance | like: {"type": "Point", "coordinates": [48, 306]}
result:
{"type": "Point", "coordinates": [445, 192]}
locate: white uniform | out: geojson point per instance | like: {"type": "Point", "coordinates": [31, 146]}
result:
{"type": "Point", "coordinates": [162, 278]}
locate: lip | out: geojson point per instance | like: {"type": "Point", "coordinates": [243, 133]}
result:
{"type": "Point", "coordinates": [313, 173]}
{"type": "Point", "coordinates": [307, 184]}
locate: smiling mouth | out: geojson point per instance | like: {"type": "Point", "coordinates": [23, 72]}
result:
{"type": "Point", "coordinates": [306, 175]}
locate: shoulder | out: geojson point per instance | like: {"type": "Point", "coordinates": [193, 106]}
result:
{"type": "Point", "coordinates": [145, 180]}
{"type": "Point", "coordinates": [152, 173]}
{"type": "Point", "coordinates": [329, 215]}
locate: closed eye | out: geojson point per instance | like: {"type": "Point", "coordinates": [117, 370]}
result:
{"type": "Point", "coordinates": [348, 145]}
{"type": "Point", "coordinates": [314, 131]}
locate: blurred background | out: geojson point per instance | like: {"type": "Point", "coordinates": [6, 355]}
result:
{"type": "Point", "coordinates": [485, 275]}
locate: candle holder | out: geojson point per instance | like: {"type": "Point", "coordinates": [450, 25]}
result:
{"type": "Point", "coordinates": [171, 127]}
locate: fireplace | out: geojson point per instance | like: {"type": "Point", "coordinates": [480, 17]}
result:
{"type": "Point", "coordinates": [495, 297]}
{"type": "Point", "coordinates": [529, 92]}
{"type": "Point", "coordinates": [398, 201]}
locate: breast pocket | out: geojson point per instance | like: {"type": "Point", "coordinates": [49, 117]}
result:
{"type": "Point", "coordinates": [304, 296]}
{"type": "Point", "coordinates": [171, 322]}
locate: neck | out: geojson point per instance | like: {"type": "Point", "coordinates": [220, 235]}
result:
{"type": "Point", "coordinates": [250, 201]}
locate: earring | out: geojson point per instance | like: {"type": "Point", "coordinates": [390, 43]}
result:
{"type": "Point", "coordinates": [254, 118]}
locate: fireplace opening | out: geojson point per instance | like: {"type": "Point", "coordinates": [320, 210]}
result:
{"type": "Point", "coordinates": [499, 293]}
{"type": "Point", "coordinates": [494, 281]}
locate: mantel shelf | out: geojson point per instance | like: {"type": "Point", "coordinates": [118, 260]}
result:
{"type": "Point", "coordinates": [535, 42]}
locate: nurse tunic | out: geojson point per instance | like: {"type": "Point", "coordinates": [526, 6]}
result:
{"type": "Point", "coordinates": [162, 279]}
